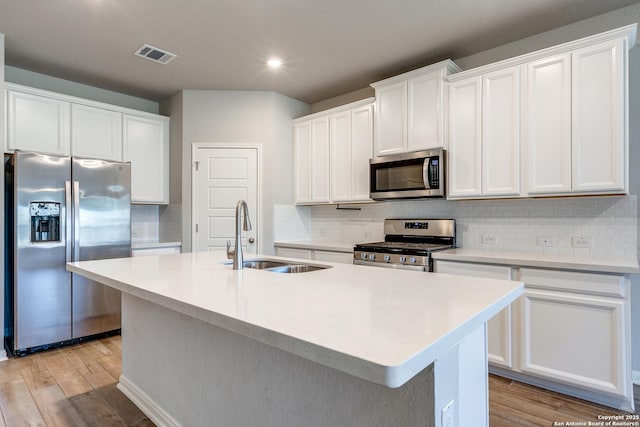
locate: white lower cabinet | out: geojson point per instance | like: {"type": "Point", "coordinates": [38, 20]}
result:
{"type": "Point", "coordinates": [293, 253]}
{"type": "Point", "coordinates": [569, 332]}
{"type": "Point", "coordinates": [579, 337]}
{"type": "Point", "coordinates": [315, 255]}
{"type": "Point", "coordinates": [499, 333]}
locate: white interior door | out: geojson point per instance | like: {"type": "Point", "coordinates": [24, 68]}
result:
{"type": "Point", "coordinates": [224, 176]}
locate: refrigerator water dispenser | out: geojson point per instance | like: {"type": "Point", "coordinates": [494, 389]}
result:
{"type": "Point", "coordinates": [45, 221]}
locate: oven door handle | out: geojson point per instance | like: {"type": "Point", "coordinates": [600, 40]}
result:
{"type": "Point", "coordinates": [388, 265]}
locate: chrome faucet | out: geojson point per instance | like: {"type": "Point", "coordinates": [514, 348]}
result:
{"type": "Point", "coordinates": [236, 253]}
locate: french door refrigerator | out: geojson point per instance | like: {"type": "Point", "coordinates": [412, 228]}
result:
{"type": "Point", "coordinates": [62, 209]}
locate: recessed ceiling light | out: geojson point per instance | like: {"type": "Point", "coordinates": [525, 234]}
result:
{"type": "Point", "coordinates": [274, 62]}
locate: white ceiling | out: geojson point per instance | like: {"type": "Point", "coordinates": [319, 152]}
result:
{"type": "Point", "coordinates": [330, 47]}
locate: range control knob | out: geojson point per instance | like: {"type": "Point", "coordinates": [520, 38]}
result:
{"type": "Point", "coordinates": [372, 256]}
{"type": "Point", "coordinates": [363, 255]}
{"type": "Point", "coordinates": [412, 260]}
{"type": "Point", "coordinates": [387, 258]}
{"type": "Point", "coordinates": [403, 259]}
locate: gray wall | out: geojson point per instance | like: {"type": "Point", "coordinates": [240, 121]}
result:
{"type": "Point", "coordinates": [67, 87]}
{"type": "Point", "coordinates": [237, 117]}
{"type": "Point", "coordinates": [598, 24]}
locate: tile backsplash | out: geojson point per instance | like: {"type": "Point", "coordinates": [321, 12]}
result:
{"type": "Point", "coordinates": [607, 224]}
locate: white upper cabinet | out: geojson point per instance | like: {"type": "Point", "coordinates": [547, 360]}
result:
{"type": "Point", "coordinates": [146, 146]}
{"type": "Point", "coordinates": [599, 83]}
{"type": "Point", "coordinates": [361, 151]}
{"type": "Point", "coordinates": [501, 133]}
{"type": "Point", "coordinates": [52, 123]}
{"type": "Point", "coordinates": [568, 104]}
{"type": "Point", "coordinates": [410, 110]}
{"type": "Point", "coordinates": [465, 133]}
{"type": "Point", "coordinates": [302, 161]}
{"type": "Point", "coordinates": [341, 156]}
{"type": "Point", "coordinates": [320, 160]}
{"type": "Point", "coordinates": [484, 135]}
{"type": "Point", "coordinates": [96, 133]}
{"type": "Point", "coordinates": [391, 119]}
{"type": "Point", "coordinates": [331, 154]}
{"type": "Point", "coordinates": [37, 123]}
{"type": "Point", "coordinates": [547, 125]}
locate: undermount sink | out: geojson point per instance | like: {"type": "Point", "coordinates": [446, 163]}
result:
{"type": "Point", "coordinates": [281, 266]}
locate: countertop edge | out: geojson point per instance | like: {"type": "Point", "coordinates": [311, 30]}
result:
{"type": "Point", "coordinates": [526, 259]}
{"type": "Point", "coordinates": [317, 245]}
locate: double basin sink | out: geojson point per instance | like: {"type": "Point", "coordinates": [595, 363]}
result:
{"type": "Point", "coordinates": [281, 266]}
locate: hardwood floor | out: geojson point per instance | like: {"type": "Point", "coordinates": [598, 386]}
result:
{"type": "Point", "coordinates": [76, 386]}
{"type": "Point", "coordinates": [516, 404]}
{"type": "Point", "coordinates": [71, 386]}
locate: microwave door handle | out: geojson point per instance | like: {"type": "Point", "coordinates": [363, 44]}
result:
{"type": "Point", "coordinates": [426, 173]}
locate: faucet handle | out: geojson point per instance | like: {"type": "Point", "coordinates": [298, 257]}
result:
{"type": "Point", "coordinates": [230, 251]}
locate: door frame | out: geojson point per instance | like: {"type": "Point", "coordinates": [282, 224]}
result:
{"type": "Point", "coordinates": [257, 215]}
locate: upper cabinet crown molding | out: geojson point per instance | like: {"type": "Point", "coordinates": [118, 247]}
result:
{"type": "Point", "coordinates": [334, 110]}
{"type": "Point", "coordinates": [628, 33]}
{"type": "Point", "coordinates": [447, 64]}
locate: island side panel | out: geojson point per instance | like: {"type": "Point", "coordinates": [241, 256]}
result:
{"type": "Point", "coordinates": [198, 373]}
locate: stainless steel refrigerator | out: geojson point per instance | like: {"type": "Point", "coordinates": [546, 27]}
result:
{"type": "Point", "coordinates": [62, 209]}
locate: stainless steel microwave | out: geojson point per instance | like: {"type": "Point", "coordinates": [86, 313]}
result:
{"type": "Point", "coordinates": [408, 175]}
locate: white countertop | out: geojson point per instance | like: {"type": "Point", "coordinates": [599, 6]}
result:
{"type": "Point", "coordinates": [379, 324]}
{"type": "Point", "coordinates": [319, 245]}
{"type": "Point", "coordinates": [532, 259]}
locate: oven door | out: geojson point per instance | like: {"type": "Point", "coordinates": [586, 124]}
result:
{"type": "Point", "coordinates": [410, 175]}
{"type": "Point", "coordinates": [389, 265]}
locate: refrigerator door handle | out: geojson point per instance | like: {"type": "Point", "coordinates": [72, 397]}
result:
{"type": "Point", "coordinates": [68, 220]}
{"type": "Point", "coordinates": [76, 220]}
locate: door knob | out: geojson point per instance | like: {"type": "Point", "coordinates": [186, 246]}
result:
{"type": "Point", "coordinates": [252, 240]}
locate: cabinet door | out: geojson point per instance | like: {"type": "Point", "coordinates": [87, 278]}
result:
{"type": "Point", "coordinates": [577, 340]}
{"type": "Point", "coordinates": [341, 161]}
{"type": "Point", "coordinates": [499, 335]}
{"type": "Point", "coordinates": [391, 119]}
{"type": "Point", "coordinates": [501, 133]}
{"type": "Point", "coordinates": [361, 151]}
{"type": "Point", "coordinates": [146, 146]}
{"type": "Point", "coordinates": [302, 161]}
{"type": "Point", "coordinates": [37, 123]}
{"type": "Point", "coordinates": [320, 160]}
{"type": "Point", "coordinates": [341, 257]}
{"type": "Point", "coordinates": [96, 133]}
{"type": "Point", "coordinates": [464, 155]}
{"type": "Point", "coordinates": [425, 119]}
{"type": "Point", "coordinates": [293, 253]}
{"type": "Point", "coordinates": [599, 117]}
{"type": "Point", "coordinates": [547, 125]}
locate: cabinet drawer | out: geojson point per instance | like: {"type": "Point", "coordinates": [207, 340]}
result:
{"type": "Point", "coordinates": [612, 285]}
{"type": "Point", "coordinates": [473, 270]}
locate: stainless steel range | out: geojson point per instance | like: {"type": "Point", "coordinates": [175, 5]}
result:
{"type": "Point", "coordinates": [408, 244]}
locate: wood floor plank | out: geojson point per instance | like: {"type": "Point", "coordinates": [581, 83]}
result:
{"type": "Point", "coordinates": [18, 407]}
{"type": "Point", "coordinates": [55, 407]}
{"type": "Point", "coordinates": [112, 363]}
{"type": "Point", "coordinates": [36, 374]}
{"type": "Point", "coordinates": [94, 411]}
{"type": "Point", "coordinates": [121, 404]}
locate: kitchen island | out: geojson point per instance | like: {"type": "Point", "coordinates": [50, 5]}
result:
{"type": "Point", "coordinates": [203, 344]}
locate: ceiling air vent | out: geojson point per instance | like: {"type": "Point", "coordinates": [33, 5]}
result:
{"type": "Point", "coordinates": [154, 54]}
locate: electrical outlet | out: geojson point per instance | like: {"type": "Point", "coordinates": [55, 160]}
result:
{"type": "Point", "coordinates": [448, 415]}
{"type": "Point", "coordinates": [581, 242]}
{"type": "Point", "coordinates": [546, 241]}
{"type": "Point", "coordinates": [489, 239]}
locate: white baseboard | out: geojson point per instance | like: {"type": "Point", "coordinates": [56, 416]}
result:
{"type": "Point", "coordinates": [159, 416]}
{"type": "Point", "coordinates": [3, 356]}
{"type": "Point", "coordinates": [635, 377]}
